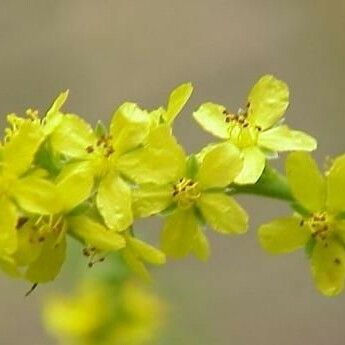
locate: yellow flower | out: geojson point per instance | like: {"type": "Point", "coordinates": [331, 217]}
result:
{"type": "Point", "coordinates": [256, 130]}
{"type": "Point", "coordinates": [99, 240]}
{"type": "Point", "coordinates": [21, 184]}
{"type": "Point", "coordinates": [105, 314]}
{"type": "Point", "coordinates": [195, 191]}
{"type": "Point", "coordinates": [42, 238]}
{"type": "Point", "coordinates": [130, 150]}
{"type": "Point", "coordinates": [319, 225]}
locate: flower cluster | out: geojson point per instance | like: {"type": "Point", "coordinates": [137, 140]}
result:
{"type": "Point", "coordinates": [61, 178]}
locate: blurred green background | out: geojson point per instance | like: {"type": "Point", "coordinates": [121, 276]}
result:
{"type": "Point", "coordinates": [107, 52]}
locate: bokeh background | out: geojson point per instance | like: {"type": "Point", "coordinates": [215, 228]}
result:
{"type": "Point", "coordinates": [107, 52]}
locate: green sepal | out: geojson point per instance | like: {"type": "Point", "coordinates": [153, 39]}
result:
{"type": "Point", "coordinates": [49, 160]}
{"type": "Point", "coordinates": [308, 249]}
{"type": "Point", "coordinates": [100, 129]}
{"type": "Point", "coordinates": [192, 166]}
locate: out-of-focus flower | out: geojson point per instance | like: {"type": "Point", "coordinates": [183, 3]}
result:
{"type": "Point", "coordinates": [105, 314]}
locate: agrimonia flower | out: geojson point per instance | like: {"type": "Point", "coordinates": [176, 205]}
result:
{"type": "Point", "coordinates": [256, 130]}
{"type": "Point", "coordinates": [60, 177]}
{"type": "Point", "coordinates": [318, 224]}
{"type": "Point", "coordinates": [195, 194]}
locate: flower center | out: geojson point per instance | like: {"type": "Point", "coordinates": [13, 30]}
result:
{"type": "Point", "coordinates": [186, 191]}
{"type": "Point", "coordinates": [46, 225]}
{"type": "Point", "coordinates": [320, 225]}
{"type": "Point", "coordinates": [103, 147]}
{"type": "Point", "coordinates": [241, 132]}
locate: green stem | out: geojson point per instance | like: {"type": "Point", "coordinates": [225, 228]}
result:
{"type": "Point", "coordinates": [271, 184]}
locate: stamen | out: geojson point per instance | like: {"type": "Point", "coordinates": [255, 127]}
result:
{"type": "Point", "coordinates": [33, 288]}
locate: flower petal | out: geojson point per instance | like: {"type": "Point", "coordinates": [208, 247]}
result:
{"type": "Point", "coordinates": [48, 264]}
{"type": "Point", "coordinates": [9, 266]}
{"type": "Point", "coordinates": [177, 100]}
{"type": "Point", "coordinates": [149, 199]}
{"type": "Point", "coordinates": [211, 118]}
{"type": "Point", "coordinates": [283, 235]}
{"type": "Point", "coordinates": [219, 166]}
{"type": "Point", "coordinates": [179, 232]}
{"type": "Point", "coordinates": [135, 264]}
{"type": "Point", "coordinates": [74, 185]}
{"type": "Point", "coordinates": [129, 127]}
{"type": "Point", "coordinates": [8, 232]}
{"type": "Point", "coordinates": [306, 181]}
{"type": "Point", "coordinates": [328, 267]}
{"type": "Point", "coordinates": [336, 186]}
{"type": "Point", "coordinates": [254, 162]}
{"type": "Point", "coordinates": [268, 100]}
{"type": "Point", "coordinates": [54, 116]}
{"type": "Point", "coordinates": [223, 213]}
{"type": "Point", "coordinates": [95, 234]}
{"type": "Point", "coordinates": [29, 245]}
{"type": "Point", "coordinates": [19, 152]}
{"type": "Point", "coordinates": [36, 195]}
{"type": "Point", "coordinates": [201, 246]}
{"type": "Point", "coordinates": [146, 252]}
{"type": "Point", "coordinates": [141, 165]}
{"type": "Point", "coordinates": [114, 202]}
{"type": "Point", "coordinates": [72, 137]}
{"type": "Point", "coordinates": [282, 138]}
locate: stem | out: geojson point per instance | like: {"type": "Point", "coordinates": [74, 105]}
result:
{"type": "Point", "coordinates": [271, 184]}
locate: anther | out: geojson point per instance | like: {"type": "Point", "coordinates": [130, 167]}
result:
{"type": "Point", "coordinates": [337, 261]}
{"type": "Point", "coordinates": [89, 149]}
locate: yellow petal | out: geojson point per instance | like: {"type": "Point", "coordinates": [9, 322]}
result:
{"type": "Point", "coordinates": [201, 246]}
{"type": "Point", "coordinates": [48, 264]}
{"type": "Point", "coordinates": [254, 162]}
{"type": "Point", "coordinates": [328, 267]}
{"type": "Point", "coordinates": [36, 195]}
{"type": "Point", "coordinates": [19, 152]}
{"type": "Point", "coordinates": [177, 100]}
{"type": "Point", "coordinates": [283, 235]}
{"type": "Point", "coordinates": [211, 118]}
{"type": "Point", "coordinates": [114, 202]}
{"type": "Point", "coordinates": [222, 213]}
{"type": "Point", "coordinates": [162, 149]}
{"type": "Point", "coordinates": [282, 138]}
{"type": "Point", "coordinates": [268, 100]}
{"type": "Point", "coordinates": [9, 266]}
{"type": "Point", "coordinates": [8, 222]}
{"type": "Point", "coordinates": [306, 181]}
{"type": "Point", "coordinates": [129, 127]}
{"type": "Point", "coordinates": [29, 247]}
{"type": "Point", "coordinates": [179, 232]}
{"type": "Point", "coordinates": [72, 137]}
{"type": "Point", "coordinates": [74, 185]}
{"type": "Point", "coordinates": [146, 252]}
{"type": "Point", "coordinates": [135, 264]}
{"type": "Point", "coordinates": [336, 186]}
{"type": "Point", "coordinates": [219, 166]}
{"type": "Point", "coordinates": [95, 234]}
{"type": "Point", "coordinates": [149, 199]}
{"type": "Point", "coordinates": [54, 116]}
